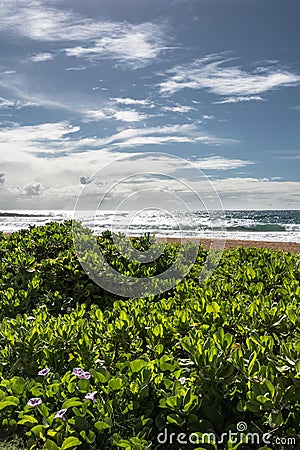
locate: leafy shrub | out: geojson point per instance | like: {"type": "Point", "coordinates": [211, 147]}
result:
{"type": "Point", "coordinates": [200, 358]}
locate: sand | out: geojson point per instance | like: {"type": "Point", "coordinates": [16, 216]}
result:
{"type": "Point", "coordinates": [234, 243]}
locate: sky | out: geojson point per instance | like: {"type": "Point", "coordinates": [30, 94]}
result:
{"type": "Point", "coordinates": [212, 82]}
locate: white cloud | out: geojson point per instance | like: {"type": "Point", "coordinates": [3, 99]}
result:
{"type": "Point", "coordinates": [37, 21]}
{"type": "Point", "coordinates": [56, 140]}
{"type": "Point", "coordinates": [46, 132]}
{"type": "Point", "coordinates": [181, 109]}
{"type": "Point", "coordinates": [207, 117]}
{"type": "Point", "coordinates": [138, 141]}
{"type": "Point", "coordinates": [32, 190]}
{"type": "Point", "coordinates": [125, 115]}
{"type": "Point", "coordinates": [17, 104]}
{"type": "Point", "coordinates": [28, 92]}
{"type": "Point", "coordinates": [257, 185]}
{"type": "Point", "coordinates": [6, 103]}
{"type": "Point", "coordinates": [129, 116]}
{"type": "Point", "coordinates": [134, 137]}
{"type": "Point", "coordinates": [42, 57]}
{"type": "Point", "coordinates": [138, 137]}
{"type": "Point", "coordinates": [135, 45]}
{"type": "Point", "coordinates": [130, 101]}
{"type": "Point", "coordinates": [111, 110]}
{"type": "Point", "coordinates": [220, 163]}
{"type": "Point", "coordinates": [240, 99]}
{"type": "Point", "coordinates": [94, 115]}
{"type": "Point", "coordinates": [45, 165]}
{"type": "Point", "coordinates": [75, 68]}
{"type": "Point", "coordinates": [215, 75]}
{"type": "Point", "coordinates": [256, 193]}
{"type": "Point", "coordinates": [8, 72]}
{"type": "Point", "coordinates": [56, 181]}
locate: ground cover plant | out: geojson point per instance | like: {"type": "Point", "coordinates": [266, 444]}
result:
{"type": "Point", "coordinates": [82, 368]}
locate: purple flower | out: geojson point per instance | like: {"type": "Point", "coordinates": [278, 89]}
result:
{"type": "Point", "coordinates": [77, 371]}
{"type": "Point", "coordinates": [182, 380]}
{"type": "Point", "coordinates": [80, 373]}
{"type": "Point", "coordinates": [85, 375]}
{"type": "Point", "coordinates": [91, 396]}
{"type": "Point", "coordinates": [60, 414]}
{"type": "Point", "coordinates": [35, 401]}
{"type": "Point", "coordinates": [44, 372]}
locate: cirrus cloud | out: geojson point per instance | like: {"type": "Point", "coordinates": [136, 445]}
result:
{"type": "Point", "coordinates": [135, 45]}
{"type": "Point", "coordinates": [212, 73]}
{"type": "Point", "coordinates": [240, 99]}
{"type": "Point", "coordinates": [42, 57]}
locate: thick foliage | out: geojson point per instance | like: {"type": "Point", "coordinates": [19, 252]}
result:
{"type": "Point", "coordinates": [199, 359]}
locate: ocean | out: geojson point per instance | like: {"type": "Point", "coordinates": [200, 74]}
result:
{"type": "Point", "coordinates": [280, 226]}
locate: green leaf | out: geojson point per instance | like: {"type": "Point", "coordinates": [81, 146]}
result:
{"type": "Point", "coordinates": [9, 401]}
{"type": "Point", "coordinates": [158, 330]}
{"type": "Point", "coordinates": [175, 419]}
{"type": "Point", "coordinates": [84, 385]}
{"type": "Point", "coordinates": [44, 411]}
{"type": "Point", "coordinates": [252, 362]}
{"type": "Point", "coordinates": [75, 401]}
{"type": "Point", "coordinates": [275, 419]}
{"type": "Point", "coordinates": [17, 385]}
{"type": "Point", "coordinates": [292, 315]}
{"type": "Point", "coordinates": [159, 349]}
{"type": "Point", "coordinates": [27, 420]}
{"type": "Point", "coordinates": [268, 404]}
{"type": "Point", "coordinates": [214, 307]}
{"type": "Point", "coordinates": [37, 430]}
{"type": "Point", "coordinates": [70, 442]}
{"type": "Point", "coordinates": [100, 425]}
{"type": "Point", "coordinates": [137, 365]}
{"type": "Point", "coordinates": [115, 383]}
{"type": "Point", "coordinates": [101, 375]}
{"type": "Point", "coordinates": [88, 437]}
{"type": "Point", "coordinates": [80, 423]}
{"type": "Point", "coordinates": [50, 445]}
{"type": "Point", "coordinates": [269, 386]}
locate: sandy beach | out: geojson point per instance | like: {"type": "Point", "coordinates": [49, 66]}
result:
{"type": "Point", "coordinates": [234, 243]}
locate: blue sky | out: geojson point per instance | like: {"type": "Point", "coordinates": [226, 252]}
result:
{"type": "Point", "coordinates": [216, 82]}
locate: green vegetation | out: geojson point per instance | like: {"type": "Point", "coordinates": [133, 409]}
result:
{"type": "Point", "coordinates": [11, 444]}
{"type": "Point", "coordinates": [199, 359]}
